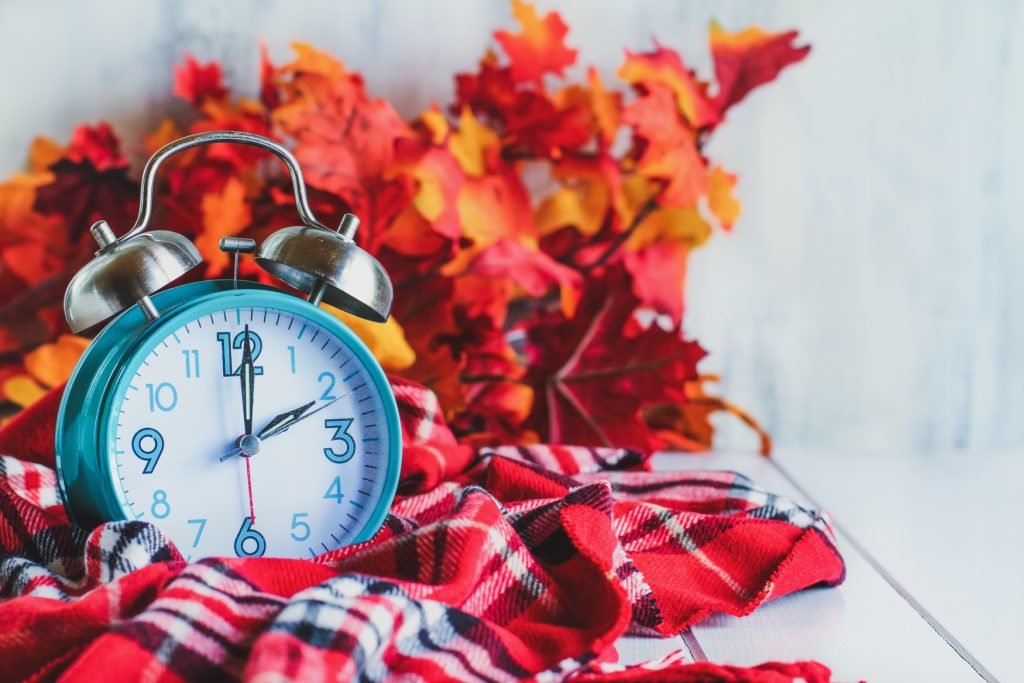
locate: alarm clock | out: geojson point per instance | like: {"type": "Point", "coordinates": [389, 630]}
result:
{"type": "Point", "coordinates": [240, 419]}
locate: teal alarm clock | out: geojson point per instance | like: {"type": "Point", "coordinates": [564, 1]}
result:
{"type": "Point", "coordinates": [240, 419]}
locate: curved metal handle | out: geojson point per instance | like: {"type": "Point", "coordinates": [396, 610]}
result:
{"type": "Point", "coordinates": [234, 136]}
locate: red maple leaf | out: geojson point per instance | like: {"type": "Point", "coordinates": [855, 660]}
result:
{"type": "Point", "coordinates": [594, 374]}
{"type": "Point", "coordinates": [197, 82]}
{"type": "Point", "coordinates": [91, 182]}
{"type": "Point", "coordinates": [527, 119]}
{"type": "Point", "coordinates": [748, 59]}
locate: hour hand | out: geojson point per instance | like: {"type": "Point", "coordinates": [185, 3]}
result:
{"type": "Point", "coordinates": [284, 420]}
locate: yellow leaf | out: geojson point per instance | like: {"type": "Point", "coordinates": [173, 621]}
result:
{"type": "Point", "coordinates": [670, 225]}
{"type": "Point", "coordinates": [312, 61]}
{"type": "Point", "coordinates": [224, 214]}
{"type": "Point", "coordinates": [51, 364]}
{"type": "Point", "coordinates": [436, 123]}
{"type": "Point", "coordinates": [470, 143]}
{"type": "Point", "coordinates": [386, 340]}
{"type": "Point", "coordinates": [583, 206]}
{"type": "Point", "coordinates": [22, 390]}
{"type": "Point", "coordinates": [721, 200]}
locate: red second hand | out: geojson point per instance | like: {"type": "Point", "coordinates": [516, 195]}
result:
{"type": "Point", "coordinates": [248, 476]}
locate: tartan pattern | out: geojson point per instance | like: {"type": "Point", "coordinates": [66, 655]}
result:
{"type": "Point", "coordinates": [499, 564]}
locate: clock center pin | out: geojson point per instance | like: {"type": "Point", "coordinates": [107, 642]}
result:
{"type": "Point", "coordinates": [249, 444]}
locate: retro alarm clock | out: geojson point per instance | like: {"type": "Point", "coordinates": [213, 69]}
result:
{"type": "Point", "coordinates": [240, 419]}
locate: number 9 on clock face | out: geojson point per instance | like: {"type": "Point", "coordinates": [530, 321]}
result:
{"type": "Point", "coordinates": [254, 425]}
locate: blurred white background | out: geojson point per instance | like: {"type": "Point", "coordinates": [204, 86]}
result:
{"type": "Point", "coordinates": [870, 298]}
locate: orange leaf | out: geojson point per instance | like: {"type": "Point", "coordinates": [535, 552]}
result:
{"type": "Point", "coordinates": [665, 67]}
{"type": "Point", "coordinates": [494, 207]}
{"type": "Point", "coordinates": [51, 364]}
{"type": "Point", "coordinates": [670, 152]}
{"type": "Point", "coordinates": [225, 213]}
{"type": "Point", "coordinates": [539, 48]}
{"type": "Point", "coordinates": [721, 200]}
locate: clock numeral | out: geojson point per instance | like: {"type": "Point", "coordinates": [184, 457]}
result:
{"type": "Point", "coordinates": [148, 445]}
{"type": "Point", "coordinates": [247, 533]}
{"type": "Point", "coordinates": [291, 355]}
{"type": "Point", "coordinates": [199, 533]}
{"type": "Point", "coordinates": [334, 491]}
{"type": "Point", "coordinates": [226, 344]}
{"type": "Point", "coordinates": [191, 363]}
{"type": "Point", "coordinates": [160, 507]}
{"type": "Point", "coordinates": [329, 378]}
{"type": "Point", "coordinates": [298, 523]}
{"type": "Point", "coordinates": [340, 427]}
{"type": "Point", "coordinates": [162, 397]}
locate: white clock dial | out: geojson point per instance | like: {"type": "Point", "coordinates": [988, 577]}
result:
{"type": "Point", "coordinates": [316, 475]}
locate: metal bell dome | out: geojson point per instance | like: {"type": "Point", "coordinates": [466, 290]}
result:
{"type": "Point", "coordinates": [330, 267]}
{"type": "Point", "coordinates": [124, 273]}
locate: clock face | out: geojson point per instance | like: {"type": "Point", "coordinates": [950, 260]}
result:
{"type": "Point", "coordinates": [254, 431]}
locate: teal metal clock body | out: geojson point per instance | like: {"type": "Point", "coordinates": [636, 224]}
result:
{"type": "Point", "coordinates": [154, 407]}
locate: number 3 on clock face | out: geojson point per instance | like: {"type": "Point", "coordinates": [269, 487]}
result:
{"type": "Point", "coordinates": [325, 464]}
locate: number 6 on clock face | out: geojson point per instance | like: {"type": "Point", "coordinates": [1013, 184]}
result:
{"type": "Point", "coordinates": [324, 424]}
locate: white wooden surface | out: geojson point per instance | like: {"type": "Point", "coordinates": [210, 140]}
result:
{"type": "Point", "coordinates": [863, 629]}
{"type": "Point", "coordinates": [947, 526]}
{"type": "Point", "coordinates": [869, 297]}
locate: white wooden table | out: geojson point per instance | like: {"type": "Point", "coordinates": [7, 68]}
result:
{"type": "Point", "coordinates": [934, 589]}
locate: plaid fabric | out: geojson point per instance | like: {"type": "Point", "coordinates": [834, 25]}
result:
{"type": "Point", "coordinates": [500, 564]}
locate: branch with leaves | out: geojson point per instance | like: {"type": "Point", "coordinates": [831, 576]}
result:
{"type": "Point", "coordinates": [518, 308]}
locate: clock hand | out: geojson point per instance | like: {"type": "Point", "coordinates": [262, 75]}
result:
{"type": "Point", "coordinates": [247, 375]}
{"type": "Point", "coordinates": [248, 481]}
{"type": "Point", "coordinates": [279, 430]}
{"type": "Point", "coordinates": [284, 422]}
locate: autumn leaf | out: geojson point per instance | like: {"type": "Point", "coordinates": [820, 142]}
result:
{"type": "Point", "coordinates": [46, 367]}
{"type": "Point", "coordinates": [529, 122]}
{"type": "Point", "coordinates": [590, 187]}
{"type": "Point", "coordinates": [539, 48]}
{"type": "Point", "coordinates": [471, 143]}
{"type": "Point", "coordinates": [438, 178]}
{"type": "Point", "coordinates": [385, 340]}
{"type": "Point", "coordinates": [669, 151]}
{"type": "Point", "coordinates": [197, 82]}
{"type": "Point", "coordinates": [345, 139]}
{"type": "Point", "coordinates": [225, 214]}
{"type": "Point", "coordinates": [748, 59]}
{"type": "Point", "coordinates": [721, 200]}
{"type": "Point", "coordinates": [664, 67]}
{"type": "Point", "coordinates": [659, 271]}
{"type": "Point", "coordinates": [494, 207]}
{"type": "Point", "coordinates": [593, 375]}
{"type": "Point", "coordinates": [91, 182]}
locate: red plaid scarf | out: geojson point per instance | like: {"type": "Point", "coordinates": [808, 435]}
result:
{"type": "Point", "coordinates": [500, 564]}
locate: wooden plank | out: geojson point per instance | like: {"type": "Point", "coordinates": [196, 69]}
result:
{"type": "Point", "coordinates": [959, 509]}
{"type": "Point", "coordinates": [863, 629]}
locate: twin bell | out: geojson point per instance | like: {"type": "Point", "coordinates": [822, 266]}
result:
{"type": "Point", "coordinates": [323, 263]}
